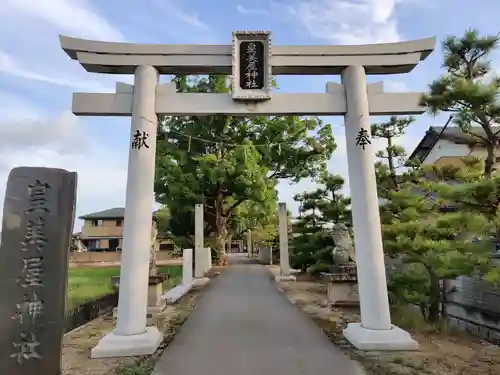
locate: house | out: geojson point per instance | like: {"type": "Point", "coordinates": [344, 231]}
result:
{"type": "Point", "coordinates": [103, 231]}
{"type": "Point", "coordinates": [447, 145]}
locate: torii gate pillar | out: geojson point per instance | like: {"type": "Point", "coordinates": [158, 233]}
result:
{"type": "Point", "coordinates": [132, 336]}
{"type": "Point", "coordinates": [375, 332]}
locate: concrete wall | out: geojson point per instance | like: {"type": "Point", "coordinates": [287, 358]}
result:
{"type": "Point", "coordinates": [474, 306]}
{"type": "Point", "coordinates": [109, 257]}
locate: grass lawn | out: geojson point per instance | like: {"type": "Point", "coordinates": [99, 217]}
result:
{"type": "Point", "coordinates": [85, 284]}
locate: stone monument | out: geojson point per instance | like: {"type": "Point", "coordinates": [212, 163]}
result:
{"type": "Point", "coordinates": [200, 252]}
{"type": "Point", "coordinates": [285, 274]}
{"type": "Point", "coordinates": [343, 250]}
{"type": "Point", "coordinates": [342, 282]}
{"type": "Point", "coordinates": [38, 216]}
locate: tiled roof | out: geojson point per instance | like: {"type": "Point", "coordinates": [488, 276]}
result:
{"type": "Point", "coordinates": [112, 213]}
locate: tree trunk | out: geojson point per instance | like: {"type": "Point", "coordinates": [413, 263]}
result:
{"type": "Point", "coordinates": [434, 296]}
{"type": "Point", "coordinates": [444, 297]}
{"type": "Point", "coordinates": [490, 160]}
{"type": "Point", "coordinates": [220, 230]}
{"type": "Point", "coordinates": [390, 161]}
{"type": "Point", "coordinates": [221, 240]}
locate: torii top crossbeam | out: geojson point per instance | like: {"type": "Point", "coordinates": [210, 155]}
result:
{"type": "Point", "coordinates": [123, 58]}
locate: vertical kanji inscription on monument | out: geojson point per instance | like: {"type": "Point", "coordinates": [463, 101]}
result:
{"type": "Point", "coordinates": [38, 217]}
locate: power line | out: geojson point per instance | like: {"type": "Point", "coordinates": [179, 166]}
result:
{"type": "Point", "coordinates": [189, 136]}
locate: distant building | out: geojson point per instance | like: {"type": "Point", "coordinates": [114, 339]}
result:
{"type": "Point", "coordinates": [103, 231]}
{"type": "Point", "coordinates": [448, 145]}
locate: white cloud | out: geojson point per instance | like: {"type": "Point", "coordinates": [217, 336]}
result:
{"type": "Point", "coordinates": [10, 66]}
{"type": "Point", "coordinates": [36, 54]}
{"type": "Point", "coordinates": [169, 8]}
{"type": "Point", "coordinates": [16, 108]}
{"type": "Point", "coordinates": [190, 19]}
{"type": "Point", "coordinates": [61, 144]}
{"type": "Point", "coordinates": [75, 17]}
{"type": "Point", "coordinates": [243, 10]}
{"type": "Point", "coordinates": [346, 21]}
{"type": "Point", "coordinates": [62, 135]}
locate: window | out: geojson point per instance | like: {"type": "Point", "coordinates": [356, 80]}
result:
{"type": "Point", "coordinates": [94, 244]}
{"type": "Point", "coordinates": [119, 222]}
{"type": "Point", "coordinates": [96, 223]}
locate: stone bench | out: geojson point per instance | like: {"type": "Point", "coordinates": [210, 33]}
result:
{"type": "Point", "coordinates": [342, 286]}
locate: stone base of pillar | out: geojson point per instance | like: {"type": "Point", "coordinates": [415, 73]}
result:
{"type": "Point", "coordinates": [285, 278]}
{"type": "Point", "coordinates": [393, 339]}
{"type": "Point", "coordinates": [199, 281]}
{"type": "Point", "coordinates": [113, 345]}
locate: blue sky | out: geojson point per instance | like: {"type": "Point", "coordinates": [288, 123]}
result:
{"type": "Point", "coordinates": [37, 78]}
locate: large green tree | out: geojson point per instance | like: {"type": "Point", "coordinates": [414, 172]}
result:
{"type": "Point", "coordinates": [469, 90]}
{"type": "Point", "coordinates": [224, 161]}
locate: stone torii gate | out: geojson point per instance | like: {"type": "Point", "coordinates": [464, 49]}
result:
{"type": "Point", "coordinates": [251, 61]}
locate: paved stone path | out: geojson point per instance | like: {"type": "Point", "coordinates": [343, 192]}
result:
{"type": "Point", "coordinates": [243, 325]}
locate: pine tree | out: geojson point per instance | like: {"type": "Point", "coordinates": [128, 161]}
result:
{"type": "Point", "coordinates": [431, 230]}
{"type": "Point", "coordinates": [320, 209]}
{"type": "Point", "coordinates": [469, 90]}
{"type": "Point", "coordinates": [392, 158]}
